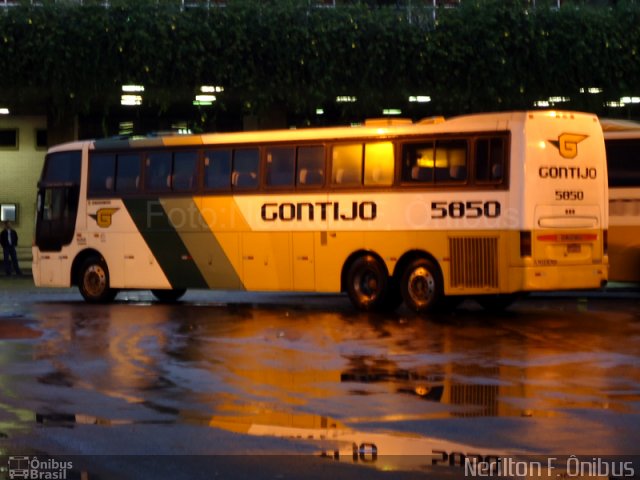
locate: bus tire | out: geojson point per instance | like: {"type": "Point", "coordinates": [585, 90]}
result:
{"type": "Point", "coordinates": [94, 281]}
{"type": "Point", "coordinates": [367, 282]}
{"type": "Point", "coordinates": [422, 286]}
{"type": "Point", "coordinates": [169, 296]}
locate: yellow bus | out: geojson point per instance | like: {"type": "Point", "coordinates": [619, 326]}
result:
{"type": "Point", "coordinates": [622, 142]}
{"type": "Point", "coordinates": [484, 205]}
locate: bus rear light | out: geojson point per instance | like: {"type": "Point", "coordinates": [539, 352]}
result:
{"type": "Point", "coordinates": [605, 242]}
{"type": "Point", "coordinates": [525, 244]}
{"type": "Point", "coordinates": [548, 238]}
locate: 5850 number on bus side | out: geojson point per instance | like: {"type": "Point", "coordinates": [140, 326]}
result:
{"type": "Point", "coordinates": [469, 209]}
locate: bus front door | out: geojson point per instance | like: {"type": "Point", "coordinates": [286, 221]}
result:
{"type": "Point", "coordinates": [57, 208]}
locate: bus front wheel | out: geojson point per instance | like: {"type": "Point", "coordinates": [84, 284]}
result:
{"type": "Point", "coordinates": [422, 286]}
{"type": "Point", "coordinates": [94, 281]}
{"type": "Point", "coordinates": [367, 282]}
{"type": "Point", "coordinates": [169, 296]}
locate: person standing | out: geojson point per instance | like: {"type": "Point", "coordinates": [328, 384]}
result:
{"type": "Point", "coordinates": [9, 241]}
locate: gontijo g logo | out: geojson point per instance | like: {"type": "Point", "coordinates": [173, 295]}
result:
{"type": "Point", "coordinates": [103, 216]}
{"type": "Point", "coordinates": [567, 144]}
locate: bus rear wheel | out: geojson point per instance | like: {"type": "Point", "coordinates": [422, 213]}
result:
{"type": "Point", "coordinates": [367, 282]}
{"type": "Point", "coordinates": [169, 296]}
{"type": "Point", "coordinates": [94, 281]}
{"type": "Point", "coordinates": [422, 286]}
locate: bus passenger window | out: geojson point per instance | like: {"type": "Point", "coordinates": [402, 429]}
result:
{"type": "Point", "coordinates": [418, 162]}
{"type": "Point", "coordinates": [157, 175]}
{"type": "Point", "coordinates": [622, 158]}
{"type": "Point", "coordinates": [378, 163]}
{"type": "Point", "coordinates": [102, 169]}
{"type": "Point", "coordinates": [217, 169]}
{"type": "Point", "coordinates": [451, 161]}
{"type": "Point", "coordinates": [490, 160]}
{"type": "Point", "coordinates": [245, 168]}
{"type": "Point", "coordinates": [127, 173]}
{"type": "Point", "coordinates": [347, 165]}
{"type": "Point", "coordinates": [280, 166]}
{"type": "Point", "coordinates": [310, 166]}
{"type": "Point", "coordinates": [184, 171]}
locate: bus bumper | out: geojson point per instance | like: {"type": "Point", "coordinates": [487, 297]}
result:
{"type": "Point", "coordinates": [576, 277]}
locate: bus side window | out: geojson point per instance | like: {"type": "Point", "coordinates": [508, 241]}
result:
{"type": "Point", "coordinates": [157, 175]}
{"type": "Point", "coordinates": [490, 160]}
{"type": "Point", "coordinates": [217, 169]}
{"type": "Point", "coordinates": [102, 170]}
{"type": "Point", "coordinates": [246, 162]}
{"type": "Point", "coordinates": [127, 173]}
{"type": "Point", "coordinates": [378, 163]}
{"type": "Point", "coordinates": [418, 162]}
{"type": "Point", "coordinates": [310, 166]}
{"type": "Point", "coordinates": [280, 166]}
{"type": "Point", "coordinates": [622, 158]}
{"type": "Point", "coordinates": [347, 165]}
{"type": "Point", "coordinates": [184, 171]}
{"type": "Point", "coordinates": [451, 161]}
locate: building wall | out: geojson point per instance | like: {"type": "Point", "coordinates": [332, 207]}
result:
{"type": "Point", "coordinates": [20, 170]}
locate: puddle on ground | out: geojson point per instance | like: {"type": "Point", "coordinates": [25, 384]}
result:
{"type": "Point", "coordinates": [358, 387]}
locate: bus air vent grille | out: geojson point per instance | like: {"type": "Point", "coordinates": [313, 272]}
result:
{"type": "Point", "coordinates": [474, 262]}
{"type": "Point", "coordinates": [483, 397]}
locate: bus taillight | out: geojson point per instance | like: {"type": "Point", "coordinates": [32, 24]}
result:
{"type": "Point", "coordinates": [605, 242]}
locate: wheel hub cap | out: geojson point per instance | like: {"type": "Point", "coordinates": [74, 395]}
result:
{"type": "Point", "coordinates": [421, 285]}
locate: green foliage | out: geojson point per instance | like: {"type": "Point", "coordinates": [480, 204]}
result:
{"type": "Point", "coordinates": [482, 55]}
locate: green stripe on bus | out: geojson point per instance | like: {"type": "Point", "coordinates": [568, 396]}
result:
{"type": "Point", "coordinates": [204, 246]}
{"type": "Point", "coordinates": [165, 243]}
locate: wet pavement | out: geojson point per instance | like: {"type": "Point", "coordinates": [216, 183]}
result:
{"type": "Point", "coordinates": [291, 386]}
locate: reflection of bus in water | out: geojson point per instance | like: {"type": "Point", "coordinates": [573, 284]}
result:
{"type": "Point", "coordinates": [385, 450]}
{"type": "Point", "coordinates": [484, 205]}
{"type": "Point", "coordinates": [622, 141]}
